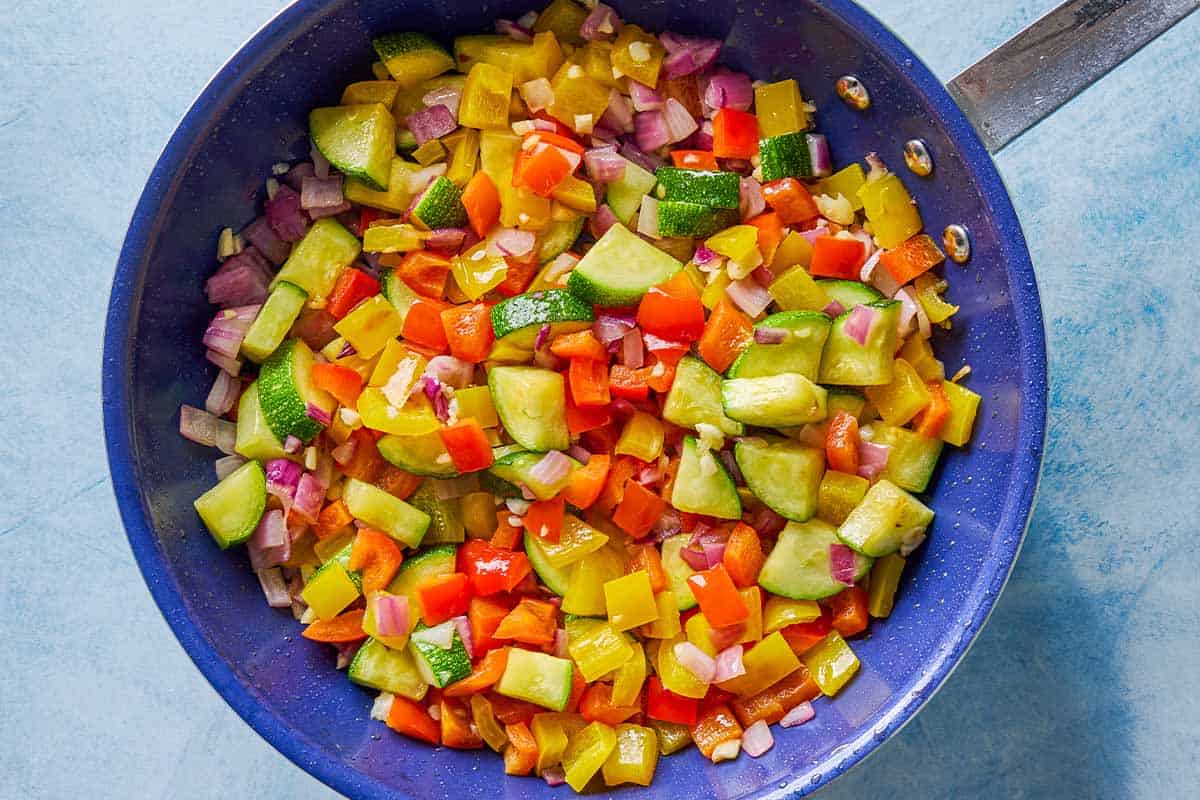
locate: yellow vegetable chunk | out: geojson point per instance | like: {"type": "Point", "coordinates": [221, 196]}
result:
{"type": "Point", "coordinates": [666, 625]}
{"type": "Point", "coordinates": [476, 272]}
{"type": "Point", "coordinates": [330, 590]}
{"type": "Point", "coordinates": [414, 419]}
{"type": "Point", "coordinates": [832, 663]}
{"type": "Point", "coordinates": [579, 99]}
{"type": "Point", "coordinates": [634, 758]}
{"type": "Point", "coordinates": [629, 677]}
{"type": "Point", "coordinates": [585, 589]}
{"type": "Point", "coordinates": [476, 402]}
{"type": "Point", "coordinates": [839, 494]}
{"type": "Point", "coordinates": [890, 210]}
{"type": "Point", "coordinates": [370, 325]}
{"type": "Point", "coordinates": [768, 661]}
{"type": "Point", "coordinates": [577, 540]}
{"type": "Point", "coordinates": [903, 398]}
{"type": "Point", "coordinates": [638, 55]}
{"type": "Point", "coordinates": [629, 600]}
{"type": "Point", "coordinates": [674, 676]}
{"type": "Point", "coordinates": [642, 437]}
{"type": "Point", "coordinates": [780, 612]}
{"type": "Point", "coordinates": [485, 97]}
{"type": "Point", "coordinates": [552, 730]}
{"type": "Point", "coordinates": [964, 406]}
{"type": "Point", "coordinates": [780, 109]}
{"type": "Point", "coordinates": [597, 648]}
{"type": "Point", "coordinates": [586, 753]}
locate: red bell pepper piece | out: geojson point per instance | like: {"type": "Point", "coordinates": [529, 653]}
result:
{"type": "Point", "coordinates": [486, 673]}
{"type": "Point", "coordinates": [491, 569]}
{"type": "Point", "coordinates": [590, 383]}
{"type": "Point", "coordinates": [913, 257]}
{"type": "Point", "coordinates": [627, 383]}
{"type": "Point", "coordinates": [541, 169]}
{"type": "Point", "coordinates": [834, 257]}
{"type": "Point", "coordinates": [694, 159]}
{"type": "Point", "coordinates": [932, 419]}
{"type": "Point", "coordinates": [531, 622]}
{"type": "Point", "coordinates": [483, 616]}
{"type": "Point", "coordinates": [423, 324]}
{"type": "Point", "coordinates": [735, 134]}
{"type": "Point", "coordinates": [342, 629]}
{"type": "Point", "coordinates": [413, 720]}
{"type": "Point", "coordinates": [586, 483]}
{"type": "Point", "coordinates": [718, 598]}
{"type": "Point", "coordinates": [743, 555]}
{"type": "Point", "coordinates": [482, 201]}
{"type": "Point", "coordinates": [581, 419]}
{"type": "Point", "coordinates": [727, 333]}
{"type": "Point", "coordinates": [444, 597]}
{"type": "Point", "coordinates": [425, 272]}
{"type": "Point", "coordinates": [849, 610]}
{"type": "Point", "coordinates": [638, 510]}
{"type": "Point", "coordinates": [544, 519]}
{"type": "Point", "coordinates": [791, 200]}
{"type": "Point", "coordinates": [646, 557]}
{"type": "Point", "coordinates": [672, 310]}
{"type": "Point", "coordinates": [663, 704]}
{"type": "Point", "coordinates": [467, 445]}
{"type": "Point", "coordinates": [802, 636]}
{"type": "Point", "coordinates": [457, 731]}
{"type": "Point", "coordinates": [596, 705]}
{"type": "Point", "coordinates": [352, 287]}
{"type": "Point", "coordinates": [342, 382]}
{"type": "Point", "coordinates": [377, 556]}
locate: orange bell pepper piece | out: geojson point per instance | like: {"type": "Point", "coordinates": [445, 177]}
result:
{"type": "Point", "coordinates": [743, 555]}
{"type": "Point", "coordinates": [377, 556]}
{"type": "Point", "coordinates": [727, 333]}
{"type": "Point", "coordinates": [772, 703]}
{"type": "Point", "coordinates": [444, 597]}
{"type": "Point", "coordinates": [541, 169]}
{"type": "Point", "coordinates": [481, 199]}
{"type": "Point", "coordinates": [589, 382]}
{"type": "Point", "coordinates": [507, 535]}
{"type": "Point", "coordinates": [396, 481]}
{"type": "Point", "coordinates": [579, 685]}
{"type": "Point", "coordinates": [365, 463]}
{"type": "Point", "coordinates": [586, 483]}
{"type": "Point", "coordinates": [803, 636]}
{"type": "Point", "coordinates": [581, 344]}
{"type": "Point", "coordinates": [628, 383]}
{"type": "Point", "coordinates": [425, 272]}
{"type": "Point", "coordinates": [423, 324]}
{"type": "Point", "coordinates": [719, 599]}
{"type": "Point", "coordinates": [638, 510]}
{"type": "Point", "coordinates": [715, 726]}
{"type": "Point", "coordinates": [791, 200]}
{"type": "Point", "coordinates": [342, 382]}
{"type": "Point", "coordinates": [646, 557]}
{"type": "Point", "coordinates": [332, 519]}
{"type": "Point", "coordinates": [621, 470]}
{"type": "Point", "coordinates": [342, 629]}
{"type": "Point", "coordinates": [509, 711]}
{"type": "Point", "coordinates": [455, 721]}
{"type": "Point", "coordinates": [912, 258]}
{"type": "Point", "coordinates": [932, 419]}
{"type": "Point", "coordinates": [586, 418]}
{"type": "Point", "coordinates": [468, 331]}
{"type": "Point", "coordinates": [544, 519]}
{"type": "Point", "coordinates": [770, 233]}
{"type": "Point", "coordinates": [484, 615]}
{"type": "Point", "coordinates": [531, 622]}
{"type": "Point", "coordinates": [467, 445]}
{"type": "Point", "coordinates": [596, 705]}
{"type": "Point", "coordinates": [352, 287]}
{"type": "Point", "coordinates": [519, 275]}
{"type": "Point", "coordinates": [412, 720]}
{"type": "Point", "coordinates": [484, 675]}
{"type": "Point", "coordinates": [694, 159]}
{"type": "Point", "coordinates": [837, 258]}
{"type": "Point", "coordinates": [841, 443]}
{"type": "Point", "coordinates": [521, 753]}
{"type": "Point", "coordinates": [849, 610]}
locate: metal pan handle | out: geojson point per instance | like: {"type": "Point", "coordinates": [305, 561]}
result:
{"type": "Point", "coordinates": [1027, 78]}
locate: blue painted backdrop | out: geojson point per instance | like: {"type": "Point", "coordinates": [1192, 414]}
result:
{"type": "Point", "coordinates": [1084, 684]}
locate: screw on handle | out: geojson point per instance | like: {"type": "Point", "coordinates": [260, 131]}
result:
{"type": "Point", "coordinates": [1027, 78]}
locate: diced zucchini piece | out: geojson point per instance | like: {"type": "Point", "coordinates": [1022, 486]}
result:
{"type": "Point", "coordinates": [705, 187]}
{"type": "Point", "coordinates": [274, 320]}
{"type": "Point", "coordinates": [359, 141]}
{"type": "Point", "coordinates": [885, 578]}
{"type": "Point", "coordinates": [703, 485]}
{"type": "Point", "coordinates": [887, 518]}
{"type": "Point", "coordinates": [438, 665]}
{"type": "Point", "coordinates": [440, 206]}
{"type": "Point", "coordinates": [377, 666]}
{"type": "Point", "coordinates": [695, 397]}
{"type": "Point", "coordinates": [776, 401]}
{"type": "Point", "coordinates": [849, 293]}
{"type": "Point", "coordinates": [421, 455]}
{"type": "Point", "coordinates": [232, 509]}
{"type": "Point", "coordinates": [911, 456]}
{"type": "Point", "coordinates": [620, 268]}
{"type": "Point", "coordinates": [798, 566]}
{"type": "Point", "coordinates": [531, 404]}
{"type": "Point", "coordinates": [785, 475]}
{"type": "Point", "coordinates": [625, 194]}
{"type": "Point", "coordinates": [799, 352]}
{"type": "Point", "coordinates": [682, 218]}
{"type": "Point", "coordinates": [517, 469]}
{"type": "Point", "coordinates": [255, 439]}
{"type": "Point", "coordinates": [538, 678]}
{"type": "Point", "coordinates": [556, 579]}
{"type": "Point", "coordinates": [385, 512]}
{"type": "Point", "coordinates": [577, 541]}
{"type": "Point", "coordinates": [285, 391]}
{"type": "Point", "coordinates": [411, 57]}
{"type": "Point", "coordinates": [839, 494]}
{"type": "Point", "coordinates": [318, 259]}
{"type": "Point", "coordinates": [418, 569]}
{"type": "Point", "coordinates": [789, 155]}
{"type": "Point", "coordinates": [678, 570]}
{"type": "Point", "coordinates": [445, 516]}
{"type": "Point", "coordinates": [848, 363]}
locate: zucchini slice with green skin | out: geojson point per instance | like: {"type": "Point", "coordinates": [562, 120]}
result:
{"type": "Point", "coordinates": [437, 665]}
{"type": "Point", "coordinates": [517, 469]}
{"type": "Point", "coordinates": [679, 218]}
{"type": "Point", "coordinates": [775, 401]}
{"type": "Point", "coordinates": [625, 194]}
{"type": "Point", "coordinates": [423, 455]}
{"type": "Point", "coordinates": [678, 571]}
{"type": "Point", "coordinates": [557, 579]}
{"type": "Point", "coordinates": [911, 457]}
{"type": "Point", "coordinates": [274, 320]}
{"type": "Point", "coordinates": [789, 155]}
{"type": "Point", "coordinates": [232, 509]}
{"type": "Point", "coordinates": [445, 516]}
{"type": "Point", "coordinates": [558, 237]}
{"type": "Point", "coordinates": [538, 678]}
{"type": "Point", "coordinates": [712, 189]}
{"type": "Point", "coordinates": [518, 321]}
{"type": "Point", "coordinates": [386, 512]}
{"type": "Point", "coordinates": [887, 518]}
{"type": "Point", "coordinates": [703, 486]}
{"type": "Point", "coordinates": [531, 403]}
{"type": "Point", "coordinates": [800, 351]}
{"type": "Point", "coordinates": [411, 57]}
{"type": "Point", "coordinates": [359, 141]}
{"type": "Point", "coordinates": [847, 363]}
{"type": "Point", "coordinates": [695, 397]}
{"type": "Point", "coordinates": [785, 475]}
{"type": "Point", "coordinates": [434, 562]}
{"type": "Point", "coordinates": [620, 268]}
{"type": "Point", "coordinates": [377, 666]}
{"type": "Point", "coordinates": [849, 293]}
{"type": "Point", "coordinates": [439, 206]}
{"type": "Point", "coordinates": [318, 259]}
{"type": "Point", "coordinates": [397, 292]}
{"type": "Point", "coordinates": [285, 392]}
{"type": "Point", "coordinates": [255, 439]}
{"type": "Point", "coordinates": [798, 567]}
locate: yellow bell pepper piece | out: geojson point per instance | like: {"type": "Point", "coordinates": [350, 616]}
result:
{"type": "Point", "coordinates": [485, 97]}
{"type": "Point", "coordinates": [476, 272]}
{"type": "Point", "coordinates": [585, 590]}
{"type": "Point", "coordinates": [699, 633]}
{"type": "Point", "coordinates": [666, 626]}
{"type": "Point", "coordinates": [333, 354]}
{"type": "Point", "coordinates": [526, 61]}
{"type": "Point", "coordinates": [330, 591]}
{"type": "Point", "coordinates": [484, 718]}
{"type": "Point", "coordinates": [393, 238]}
{"type": "Point", "coordinates": [780, 109]}
{"type": "Point", "coordinates": [890, 210]}
{"type": "Point", "coordinates": [929, 290]}
{"type": "Point", "coordinates": [370, 326]}
{"type": "Point", "coordinates": [831, 663]}
{"type": "Point", "coordinates": [846, 182]}
{"type": "Point", "coordinates": [793, 251]}
{"type": "Point", "coordinates": [964, 405]}
{"type": "Point", "coordinates": [627, 683]}
{"type": "Point", "coordinates": [715, 290]}
{"type": "Point", "coordinates": [370, 625]}
{"type": "Point", "coordinates": [394, 356]}
{"type": "Point", "coordinates": [586, 753]}
{"type": "Point", "coordinates": [885, 578]}
{"type": "Point", "coordinates": [780, 612]}
{"type": "Point", "coordinates": [564, 18]}
{"type": "Point", "coordinates": [642, 437]}
{"type": "Point", "coordinates": [596, 647]}
{"type": "Point", "coordinates": [395, 199]}
{"type": "Point", "coordinates": [479, 514]}
{"type": "Point", "coordinates": [414, 419]}
{"type": "Point", "coordinates": [552, 730]}
{"type": "Point", "coordinates": [519, 207]}
{"type": "Point", "coordinates": [638, 54]}
{"type": "Point", "coordinates": [918, 352]}
{"type": "Point", "coordinates": [672, 737]}
{"type": "Point", "coordinates": [768, 661]}
{"type": "Point", "coordinates": [370, 92]}
{"type": "Point", "coordinates": [596, 60]}
{"type": "Point", "coordinates": [795, 290]}
{"type": "Point", "coordinates": [579, 99]}
{"type": "Point", "coordinates": [325, 549]}
{"type": "Point", "coordinates": [752, 597]}
{"type": "Point", "coordinates": [634, 758]}
{"type": "Point", "coordinates": [577, 540]}
{"type": "Point", "coordinates": [629, 600]}
{"type": "Point", "coordinates": [674, 676]}
{"type": "Point", "coordinates": [476, 402]}
{"type": "Point", "coordinates": [902, 399]}
{"type": "Point", "coordinates": [575, 193]}
{"type": "Point", "coordinates": [431, 152]}
{"type": "Point", "coordinates": [470, 49]}
{"type": "Point", "coordinates": [462, 148]}
{"type": "Point", "coordinates": [738, 243]}
{"type": "Point", "coordinates": [838, 495]}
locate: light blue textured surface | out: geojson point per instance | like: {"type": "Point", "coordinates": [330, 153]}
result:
{"type": "Point", "coordinates": [1084, 684]}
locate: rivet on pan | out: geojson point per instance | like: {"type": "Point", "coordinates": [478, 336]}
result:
{"type": "Point", "coordinates": [957, 242]}
{"type": "Point", "coordinates": [853, 93]}
{"type": "Point", "coordinates": [916, 156]}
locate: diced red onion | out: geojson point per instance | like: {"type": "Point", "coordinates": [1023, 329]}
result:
{"type": "Point", "coordinates": [446, 96]}
{"type": "Point", "coordinates": [632, 354]}
{"type": "Point", "coordinates": [602, 23]}
{"type": "Point", "coordinates": [293, 445]}
{"type": "Point", "coordinates": [315, 327]}
{"type": "Point", "coordinates": [749, 296]}
{"type": "Point", "coordinates": [650, 130]}
{"type": "Point", "coordinates": [798, 715]}
{"type": "Point", "coordinates": [763, 275]}
{"type": "Point", "coordinates": [602, 220]}
{"type": "Point", "coordinates": [686, 54]}
{"type": "Point", "coordinates": [644, 98]}
{"type": "Point", "coordinates": [858, 325]}
{"type": "Point", "coordinates": [463, 627]}
{"type": "Point", "coordinates": [650, 475]}
{"type": "Point", "coordinates": [431, 123]}
{"type": "Point", "coordinates": [283, 476]}
{"type": "Point", "coordinates": [610, 328]}
{"type": "Point", "coordinates": [727, 89]}
{"type": "Point", "coordinates": [242, 280]}
{"type": "Point", "coordinates": [347, 350]}
{"type": "Point", "coordinates": [631, 151]}
{"type": "Point", "coordinates": [542, 335]}
{"type": "Point", "coordinates": [318, 414]}
{"type": "Point", "coordinates": [647, 223]}
{"type": "Point", "coordinates": [841, 563]}
{"type": "Point", "coordinates": [679, 121]}
{"type": "Point", "coordinates": [872, 459]}
{"type": "Point", "coordinates": [274, 588]}
{"type": "Point", "coordinates": [228, 327]}
{"type": "Point", "coordinates": [552, 469]}
{"type": "Point", "coordinates": [310, 494]}
{"type": "Point", "coordinates": [696, 661]}
{"type": "Point", "coordinates": [912, 315]}
{"type": "Point", "coordinates": [333, 211]}
{"type": "Point", "coordinates": [768, 523]}
{"type": "Point", "coordinates": [834, 309]}
{"type": "Point", "coordinates": [560, 643]}
{"type": "Point", "coordinates": [818, 152]}
{"type": "Point", "coordinates": [750, 198]}
{"type": "Point", "coordinates": [731, 465]}
{"type": "Point", "coordinates": [881, 279]}
{"type": "Point", "coordinates": [703, 139]}
{"type": "Point", "coordinates": [344, 451]}
{"type": "Point", "coordinates": [604, 164]}
{"type": "Point", "coordinates": [201, 427]}
{"type": "Point", "coordinates": [321, 165]}
{"type": "Point", "coordinates": [223, 395]}
{"type": "Point", "coordinates": [451, 371]}
{"type": "Point", "coordinates": [729, 664]}
{"type": "Point", "coordinates": [321, 192]}
{"type": "Point", "coordinates": [511, 242]}
{"type": "Point", "coordinates": [270, 544]}
{"type": "Point", "coordinates": [262, 236]}
{"type": "Point", "coordinates": [617, 117]}
{"type": "Point", "coordinates": [450, 239]}
{"type": "Point", "coordinates": [538, 94]}
{"type": "Point", "coordinates": [296, 175]}
{"type": "Point", "coordinates": [694, 557]}
{"type": "Point", "coordinates": [432, 387]}
{"type": "Point", "coordinates": [554, 776]}
{"type": "Point", "coordinates": [757, 739]}
{"type": "Point", "coordinates": [812, 234]}
{"type": "Point", "coordinates": [391, 614]}
{"type": "Point", "coordinates": [225, 465]}
{"type": "Point", "coordinates": [506, 27]}
{"type": "Point", "coordinates": [703, 256]}
{"type": "Point", "coordinates": [769, 335]}
{"type": "Point", "coordinates": [666, 525]}
{"type": "Point", "coordinates": [452, 488]}
{"type": "Point", "coordinates": [231, 365]}
{"type": "Point", "coordinates": [579, 453]}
